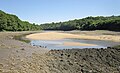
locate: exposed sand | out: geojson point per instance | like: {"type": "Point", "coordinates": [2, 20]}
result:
{"type": "Point", "coordinates": [60, 35]}
{"type": "Point", "coordinates": [50, 36]}
{"type": "Point", "coordinates": [77, 44]}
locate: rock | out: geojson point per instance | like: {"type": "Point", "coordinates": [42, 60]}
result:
{"type": "Point", "coordinates": [61, 54]}
{"type": "Point", "coordinates": [22, 49]}
{"type": "Point", "coordinates": [68, 55]}
{"type": "Point", "coordinates": [1, 66]}
{"type": "Point", "coordinates": [16, 50]}
{"type": "Point", "coordinates": [1, 71]}
{"type": "Point", "coordinates": [13, 64]}
{"type": "Point", "coordinates": [61, 60]}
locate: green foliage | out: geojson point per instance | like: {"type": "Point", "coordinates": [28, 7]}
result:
{"type": "Point", "coordinates": [9, 22]}
{"type": "Point", "coordinates": [21, 38]}
{"type": "Point", "coordinates": [89, 23]}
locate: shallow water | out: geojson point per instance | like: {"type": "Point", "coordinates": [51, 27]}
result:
{"type": "Point", "coordinates": [58, 44]}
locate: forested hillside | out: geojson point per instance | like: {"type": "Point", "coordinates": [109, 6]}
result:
{"type": "Point", "coordinates": [9, 22]}
{"type": "Point", "coordinates": [89, 23]}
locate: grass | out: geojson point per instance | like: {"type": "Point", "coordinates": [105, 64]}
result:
{"type": "Point", "coordinates": [118, 46]}
{"type": "Point", "coordinates": [22, 38]}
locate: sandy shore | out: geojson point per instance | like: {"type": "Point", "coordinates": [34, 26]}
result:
{"type": "Point", "coordinates": [57, 36]}
{"type": "Point", "coordinates": [77, 44]}
{"type": "Point", "coordinates": [61, 35]}
{"type": "Point", "coordinates": [50, 36]}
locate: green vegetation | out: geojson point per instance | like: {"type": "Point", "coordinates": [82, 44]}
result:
{"type": "Point", "coordinates": [9, 22]}
{"type": "Point", "coordinates": [22, 38]}
{"type": "Point", "coordinates": [111, 23]}
{"type": "Point", "coordinates": [118, 46]}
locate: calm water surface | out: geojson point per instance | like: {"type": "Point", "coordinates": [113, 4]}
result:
{"type": "Point", "coordinates": [58, 44]}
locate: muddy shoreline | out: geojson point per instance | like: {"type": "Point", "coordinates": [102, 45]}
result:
{"type": "Point", "coordinates": [86, 60]}
{"type": "Point", "coordinates": [20, 57]}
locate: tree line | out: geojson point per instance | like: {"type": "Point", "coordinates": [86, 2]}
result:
{"type": "Point", "coordinates": [9, 22]}
{"type": "Point", "coordinates": [111, 23]}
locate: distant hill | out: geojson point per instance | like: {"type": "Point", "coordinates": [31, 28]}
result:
{"type": "Point", "coordinates": [111, 23]}
{"type": "Point", "coordinates": [9, 22]}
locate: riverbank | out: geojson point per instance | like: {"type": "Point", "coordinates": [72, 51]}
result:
{"type": "Point", "coordinates": [14, 52]}
{"type": "Point", "coordinates": [20, 57]}
{"type": "Point", "coordinates": [92, 35]}
{"type": "Point", "coordinates": [94, 60]}
{"type": "Point", "coordinates": [85, 35]}
{"type": "Point", "coordinates": [16, 41]}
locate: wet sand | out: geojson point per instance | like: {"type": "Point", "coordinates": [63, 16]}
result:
{"type": "Point", "coordinates": [77, 44]}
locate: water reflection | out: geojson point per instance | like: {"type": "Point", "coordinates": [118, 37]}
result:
{"type": "Point", "coordinates": [58, 44]}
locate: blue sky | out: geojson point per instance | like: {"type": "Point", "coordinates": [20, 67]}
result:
{"type": "Point", "coordinates": [44, 11]}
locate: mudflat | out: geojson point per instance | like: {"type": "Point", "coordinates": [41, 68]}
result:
{"type": "Point", "coordinates": [15, 54]}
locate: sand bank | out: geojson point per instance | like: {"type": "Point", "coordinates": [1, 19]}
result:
{"type": "Point", "coordinates": [77, 44]}
{"type": "Point", "coordinates": [60, 35]}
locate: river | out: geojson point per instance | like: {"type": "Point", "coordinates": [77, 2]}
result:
{"type": "Point", "coordinates": [58, 44]}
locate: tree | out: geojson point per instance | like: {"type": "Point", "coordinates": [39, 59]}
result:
{"type": "Point", "coordinates": [89, 23]}
{"type": "Point", "coordinates": [9, 22]}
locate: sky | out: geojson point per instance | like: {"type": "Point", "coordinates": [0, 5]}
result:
{"type": "Point", "coordinates": [46, 11]}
